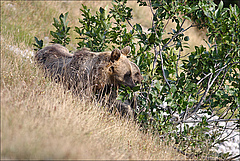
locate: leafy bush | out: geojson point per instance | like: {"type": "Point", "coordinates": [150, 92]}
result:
{"type": "Point", "coordinates": [201, 87]}
{"type": "Point", "coordinates": [62, 30]}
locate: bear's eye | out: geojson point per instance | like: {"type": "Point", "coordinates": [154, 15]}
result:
{"type": "Point", "coordinates": [137, 74]}
{"type": "Point", "coordinates": [112, 69]}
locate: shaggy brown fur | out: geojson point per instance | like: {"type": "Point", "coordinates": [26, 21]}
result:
{"type": "Point", "coordinates": [90, 70]}
{"type": "Point", "coordinates": [85, 68]}
{"type": "Point", "coordinates": [99, 69]}
{"type": "Point", "coordinates": [53, 59]}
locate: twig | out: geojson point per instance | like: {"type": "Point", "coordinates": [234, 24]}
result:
{"type": "Point", "coordinates": [203, 78]}
{"type": "Point", "coordinates": [185, 113]}
{"type": "Point", "coordinates": [166, 24]}
{"type": "Point", "coordinates": [164, 76]}
{"type": "Point", "coordinates": [179, 52]}
{"type": "Point", "coordinates": [177, 35]}
{"type": "Point", "coordinates": [155, 59]}
{"type": "Point", "coordinates": [160, 50]}
{"type": "Point", "coordinates": [132, 26]}
{"type": "Point", "coordinates": [206, 91]}
{"type": "Point", "coordinates": [225, 112]}
{"type": "Point", "coordinates": [155, 48]}
{"type": "Point", "coordinates": [196, 121]}
{"type": "Point", "coordinates": [225, 136]}
{"type": "Point", "coordinates": [202, 98]}
{"type": "Point", "coordinates": [185, 55]}
{"type": "Point", "coordinates": [234, 157]}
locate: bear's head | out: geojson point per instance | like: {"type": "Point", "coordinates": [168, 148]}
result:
{"type": "Point", "coordinates": [120, 70]}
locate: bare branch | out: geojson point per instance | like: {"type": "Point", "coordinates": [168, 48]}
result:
{"type": "Point", "coordinates": [179, 52]}
{"type": "Point", "coordinates": [177, 35]}
{"type": "Point", "coordinates": [216, 120]}
{"type": "Point", "coordinates": [202, 98]}
{"type": "Point", "coordinates": [234, 157]}
{"type": "Point", "coordinates": [185, 113]}
{"type": "Point", "coordinates": [210, 83]}
{"type": "Point", "coordinates": [164, 76]}
{"type": "Point", "coordinates": [203, 78]}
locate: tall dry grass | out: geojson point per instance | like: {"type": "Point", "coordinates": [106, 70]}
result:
{"type": "Point", "coordinates": [39, 120]}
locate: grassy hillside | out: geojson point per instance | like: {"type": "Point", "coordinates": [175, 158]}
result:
{"type": "Point", "coordinates": [39, 120]}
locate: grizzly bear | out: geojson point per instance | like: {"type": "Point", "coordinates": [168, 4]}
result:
{"type": "Point", "coordinates": [90, 70]}
{"type": "Point", "coordinates": [85, 68]}
{"type": "Point", "coordinates": [53, 58]}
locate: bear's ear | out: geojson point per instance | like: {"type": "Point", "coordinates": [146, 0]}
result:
{"type": "Point", "coordinates": [125, 51]}
{"type": "Point", "coordinates": [115, 55]}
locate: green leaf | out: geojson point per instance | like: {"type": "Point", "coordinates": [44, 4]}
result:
{"type": "Point", "coordinates": [166, 73]}
{"type": "Point", "coordinates": [139, 28]}
{"type": "Point", "coordinates": [188, 18]}
{"type": "Point", "coordinates": [173, 88]}
{"type": "Point", "coordinates": [158, 86]}
{"type": "Point", "coordinates": [186, 38]}
{"type": "Point", "coordinates": [220, 6]}
{"type": "Point", "coordinates": [152, 38]}
{"type": "Point", "coordinates": [136, 88]}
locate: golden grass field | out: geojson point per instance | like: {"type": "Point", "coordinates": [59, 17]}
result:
{"type": "Point", "coordinates": [39, 120]}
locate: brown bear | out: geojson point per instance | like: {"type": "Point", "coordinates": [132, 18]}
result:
{"type": "Point", "coordinates": [53, 58]}
{"type": "Point", "coordinates": [85, 68]}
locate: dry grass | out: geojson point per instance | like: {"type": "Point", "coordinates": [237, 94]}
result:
{"type": "Point", "coordinates": [42, 121]}
{"type": "Point", "coordinates": [39, 120]}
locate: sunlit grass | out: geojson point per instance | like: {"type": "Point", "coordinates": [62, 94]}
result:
{"type": "Point", "coordinates": [41, 120]}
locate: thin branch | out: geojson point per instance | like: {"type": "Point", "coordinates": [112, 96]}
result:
{"type": "Point", "coordinates": [164, 76]}
{"type": "Point", "coordinates": [225, 112]}
{"type": "Point", "coordinates": [166, 24]}
{"type": "Point", "coordinates": [223, 132]}
{"type": "Point", "coordinates": [155, 58]}
{"type": "Point", "coordinates": [234, 157]}
{"type": "Point", "coordinates": [151, 7]}
{"type": "Point", "coordinates": [185, 113]}
{"type": "Point", "coordinates": [132, 26]}
{"type": "Point", "coordinates": [177, 35]}
{"type": "Point", "coordinates": [155, 49]}
{"type": "Point", "coordinates": [179, 52]}
{"type": "Point", "coordinates": [216, 120]}
{"type": "Point", "coordinates": [208, 87]}
{"type": "Point", "coordinates": [202, 98]}
{"type": "Point", "coordinates": [203, 78]}
{"type": "Point", "coordinates": [171, 45]}
{"type": "Point", "coordinates": [185, 55]}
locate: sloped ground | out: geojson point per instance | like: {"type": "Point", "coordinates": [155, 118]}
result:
{"type": "Point", "coordinates": [39, 120]}
{"type": "Point", "coordinates": [42, 121]}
